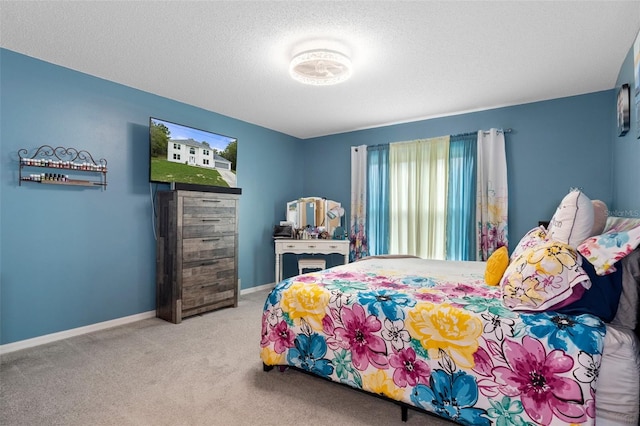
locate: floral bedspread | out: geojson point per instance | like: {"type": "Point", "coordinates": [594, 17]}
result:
{"type": "Point", "coordinates": [432, 334]}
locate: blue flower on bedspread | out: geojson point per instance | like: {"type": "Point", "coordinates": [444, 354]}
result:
{"type": "Point", "coordinates": [276, 294]}
{"type": "Point", "coordinates": [507, 412]}
{"type": "Point", "coordinates": [586, 332]}
{"type": "Point", "coordinates": [481, 304]}
{"type": "Point", "coordinates": [309, 354]}
{"type": "Point", "coordinates": [417, 281]}
{"type": "Point", "coordinates": [344, 286]}
{"type": "Point", "coordinates": [451, 395]}
{"type": "Point", "coordinates": [391, 303]}
{"type": "Point", "coordinates": [345, 370]}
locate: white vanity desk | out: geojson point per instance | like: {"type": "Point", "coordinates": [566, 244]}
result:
{"type": "Point", "coordinates": [313, 246]}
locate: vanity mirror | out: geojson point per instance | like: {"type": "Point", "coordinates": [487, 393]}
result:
{"type": "Point", "coordinates": [315, 212]}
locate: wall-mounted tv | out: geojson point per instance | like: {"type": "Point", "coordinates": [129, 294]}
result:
{"type": "Point", "coordinates": [191, 159]}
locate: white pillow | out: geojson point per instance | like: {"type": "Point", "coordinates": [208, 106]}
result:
{"type": "Point", "coordinates": [618, 385]}
{"type": "Point", "coordinates": [573, 220]}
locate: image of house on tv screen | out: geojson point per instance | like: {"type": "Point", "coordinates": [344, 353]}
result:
{"type": "Point", "coordinates": [181, 154]}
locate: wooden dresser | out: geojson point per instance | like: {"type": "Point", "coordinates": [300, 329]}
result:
{"type": "Point", "coordinates": [197, 253]}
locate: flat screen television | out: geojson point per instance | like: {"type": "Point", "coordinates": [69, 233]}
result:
{"type": "Point", "coordinates": [191, 159]}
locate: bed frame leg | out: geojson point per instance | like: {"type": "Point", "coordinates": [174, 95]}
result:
{"type": "Point", "coordinates": [266, 367]}
{"type": "Point", "coordinates": [405, 412]}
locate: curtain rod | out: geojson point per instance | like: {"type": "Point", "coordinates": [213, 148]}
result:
{"type": "Point", "coordinates": [486, 132]}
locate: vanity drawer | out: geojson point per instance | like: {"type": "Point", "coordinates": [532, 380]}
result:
{"type": "Point", "coordinates": [212, 247]}
{"type": "Point", "coordinates": [207, 226]}
{"type": "Point", "coordinates": [310, 246]}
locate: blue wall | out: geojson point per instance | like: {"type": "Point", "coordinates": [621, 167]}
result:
{"type": "Point", "coordinates": [554, 145]}
{"type": "Point", "coordinates": [626, 152]}
{"type": "Point", "coordinates": [71, 257]}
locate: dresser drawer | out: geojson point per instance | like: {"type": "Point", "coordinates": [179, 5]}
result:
{"type": "Point", "coordinates": [194, 207]}
{"type": "Point", "coordinates": [205, 296]}
{"type": "Point", "coordinates": [206, 271]}
{"type": "Point", "coordinates": [208, 282]}
{"type": "Point", "coordinates": [213, 247]}
{"type": "Point", "coordinates": [207, 226]}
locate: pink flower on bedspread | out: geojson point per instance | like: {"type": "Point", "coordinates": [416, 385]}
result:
{"type": "Point", "coordinates": [264, 340]}
{"type": "Point", "coordinates": [537, 378]}
{"type": "Point", "coordinates": [483, 367]}
{"type": "Point", "coordinates": [457, 289]}
{"type": "Point", "coordinates": [308, 278]}
{"type": "Point", "coordinates": [358, 335]}
{"type": "Point", "coordinates": [409, 370]}
{"type": "Point", "coordinates": [428, 296]}
{"type": "Point", "coordinates": [282, 336]}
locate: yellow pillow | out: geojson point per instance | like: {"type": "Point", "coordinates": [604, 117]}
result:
{"type": "Point", "coordinates": [496, 265]}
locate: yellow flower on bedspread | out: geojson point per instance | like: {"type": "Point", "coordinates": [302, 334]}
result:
{"type": "Point", "coordinates": [381, 384]}
{"type": "Point", "coordinates": [271, 357]}
{"type": "Point", "coordinates": [443, 327]}
{"type": "Point", "coordinates": [308, 301]}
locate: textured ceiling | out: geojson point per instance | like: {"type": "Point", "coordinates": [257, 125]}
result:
{"type": "Point", "coordinates": [412, 60]}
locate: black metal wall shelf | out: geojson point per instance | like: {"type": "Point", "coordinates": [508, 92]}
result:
{"type": "Point", "coordinates": [59, 162]}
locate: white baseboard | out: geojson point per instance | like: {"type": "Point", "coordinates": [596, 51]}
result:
{"type": "Point", "coordinates": [48, 338]}
{"type": "Point", "coordinates": [258, 288]}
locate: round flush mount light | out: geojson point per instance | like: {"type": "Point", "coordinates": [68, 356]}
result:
{"type": "Point", "coordinates": [320, 67]}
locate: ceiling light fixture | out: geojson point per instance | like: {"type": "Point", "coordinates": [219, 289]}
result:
{"type": "Point", "coordinates": [320, 67]}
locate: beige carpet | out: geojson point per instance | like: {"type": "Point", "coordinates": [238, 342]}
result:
{"type": "Point", "coordinates": [205, 371]}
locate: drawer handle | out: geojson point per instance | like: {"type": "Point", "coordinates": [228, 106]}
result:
{"type": "Point", "coordinates": [207, 263]}
{"type": "Point", "coordinates": [311, 246]}
{"type": "Point", "coordinates": [290, 246]}
{"type": "Point", "coordinates": [204, 240]}
{"type": "Point", "coordinates": [210, 201]}
{"type": "Point", "coordinates": [333, 246]}
{"type": "Point", "coordinates": [211, 220]}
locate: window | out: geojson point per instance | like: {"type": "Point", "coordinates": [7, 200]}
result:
{"type": "Point", "coordinates": [176, 146]}
{"type": "Point", "coordinates": [192, 150]}
{"type": "Point", "coordinates": [176, 156]}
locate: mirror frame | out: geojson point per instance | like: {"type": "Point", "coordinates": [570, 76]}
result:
{"type": "Point", "coordinates": [318, 207]}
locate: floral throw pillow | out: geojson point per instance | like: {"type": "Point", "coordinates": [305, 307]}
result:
{"type": "Point", "coordinates": [532, 238]}
{"type": "Point", "coordinates": [604, 250]}
{"type": "Point", "coordinates": [543, 277]}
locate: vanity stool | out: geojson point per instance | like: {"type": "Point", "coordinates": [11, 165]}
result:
{"type": "Point", "coordinates": [311, 264]}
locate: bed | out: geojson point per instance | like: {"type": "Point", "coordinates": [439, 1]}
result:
{"type": "Point", "coordinates": [432, 335]}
